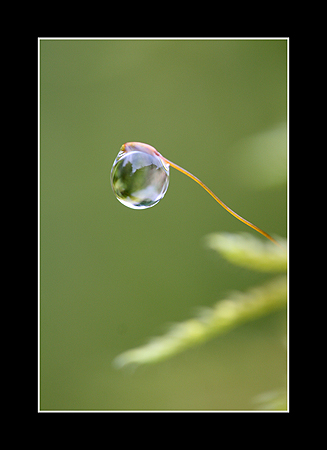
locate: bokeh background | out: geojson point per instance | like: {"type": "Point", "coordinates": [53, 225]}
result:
{"type": "Point", "coordinates": [112, 277]}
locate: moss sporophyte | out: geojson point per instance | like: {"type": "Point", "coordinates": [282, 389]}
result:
{"type": "Point", "coordinates": [140, 179]}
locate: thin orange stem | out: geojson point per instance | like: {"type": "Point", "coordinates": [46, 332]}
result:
{"type": "Point", "coordinates": [233, 213]}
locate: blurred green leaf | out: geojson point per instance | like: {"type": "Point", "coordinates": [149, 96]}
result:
{"type": "Point", "coordinates": [262, 157]}
{"type": "Point", "coordinates": [225, 315]}
{"type": "Point", "coordinates": [244, 250]}
{"type": "Point", "coordinates": [248, 251]}
{"type": "Point", "coordinates": [272, 400]}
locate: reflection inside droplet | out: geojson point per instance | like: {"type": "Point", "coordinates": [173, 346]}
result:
{"type": "Point", "coordinates": [139, 179]}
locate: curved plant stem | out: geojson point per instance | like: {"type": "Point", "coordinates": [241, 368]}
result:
{"type": "Point", "coordinates": [221, 203]}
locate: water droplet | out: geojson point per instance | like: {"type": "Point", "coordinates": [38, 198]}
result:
{"type": "Point", "coordinates": [139, 177]}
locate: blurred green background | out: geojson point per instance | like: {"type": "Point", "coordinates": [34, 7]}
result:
{"type": "Point", "coordinates": [111, 277]}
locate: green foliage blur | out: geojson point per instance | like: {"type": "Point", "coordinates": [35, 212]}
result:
{"type": "Point", "coordinates": [111, 277]}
